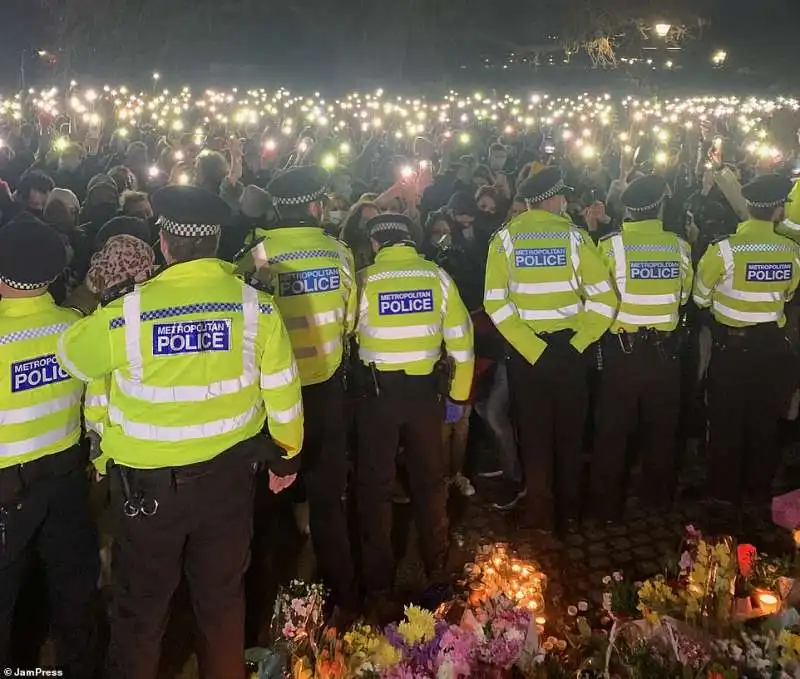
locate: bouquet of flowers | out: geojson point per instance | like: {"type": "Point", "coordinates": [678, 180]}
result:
{"type": "Point", "coordinates": [297, 618]}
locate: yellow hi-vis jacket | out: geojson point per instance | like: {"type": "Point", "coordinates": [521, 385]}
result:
{"type": "Point", "coordinates": [408, 307]}
{"type": "Point", "coordinates": [544, 275]}
{"type": "Point", "coordinates": [790, 226]}
{"type": "Point", "coordinates": [40, 403]}
{"type": "Point", "coordinates": [652, 272]}
{"type": "Point", "coordinates": [748, 277]}
{"type": "Point", "coordinates": [196, 359]}
{"type": "Point", "coordinates": [311, 275]}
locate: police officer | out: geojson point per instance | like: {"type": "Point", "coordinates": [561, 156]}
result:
{"type": "Point", "coordinates": [550, 296]}
{"type": "Point", "coordinates": [745, 280]}
{"type": "Point", "coordinates": [409, 308]}
{"type": "Point", "coordinates": [198, 361]}
{"type": "Point", "coordinates": [311, 275]}
{"type": "Point", "coordinates": [44, 499]}
{"type": "Point", "coordinates": [640, 381]}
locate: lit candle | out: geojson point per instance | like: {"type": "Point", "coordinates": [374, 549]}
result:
{"type": "Point", "coordinates": [769, 603]}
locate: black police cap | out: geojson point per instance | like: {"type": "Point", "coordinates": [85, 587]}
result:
{"type": "Point", "coordinates": [543, 185]}
{"type": "Point", "coordinates": [389, 227]}
{"type": "Point", "coordinates": [644, 193]}
{"type": "Point", "coordinates": [189, 211]}
{"type": "Point", "coordinates": [299, 186]}
{"type": "Point", "coordinates": [768, 190]}
{"type": "Point", "coordinates": [32, 254]}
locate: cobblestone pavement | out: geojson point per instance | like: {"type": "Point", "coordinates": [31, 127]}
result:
{"type": "Point", "coordinates": [576, 562]}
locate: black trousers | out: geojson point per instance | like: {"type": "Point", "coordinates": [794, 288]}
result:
{"type": "Point", "coordinates": [202, 529]}
{"type": "Point", "coordinates": [549, 401]}
{"type": "Point", "coordinates": [51, 518]}
{"type": "Point", "coordinates": [408, 409]}
{"type": "Point", "coordinates": [640, 394]}
{"type": "Point", "coordinates": [324, 474]}
{"type": "Point", "coordinates": [749, 383]}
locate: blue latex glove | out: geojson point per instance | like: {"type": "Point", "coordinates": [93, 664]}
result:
{"type": "Point", "coordinates": [453, 412]}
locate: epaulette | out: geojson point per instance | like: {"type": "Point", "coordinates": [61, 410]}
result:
{"type": "Point", "coordinates": [117, 291]}
{"type": "Point", "coordinates": [82, 313]}
{"type": "Point", "coordinates": [247, 248]}
{"type": "Point", "coordinates": [719, 239]}
{"type": "Point", "coordinates": [610, 234]}
{"type": "Point", "coordinates": [258, 284]}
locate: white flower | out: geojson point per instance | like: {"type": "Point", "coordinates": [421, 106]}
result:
{"type": "Point", "coordinates": [607, 601]}
{"type": "Point", "coordinates": [583, 606]}
{"type": "Point", "coordinates": [572, 610]}
{"type": "Point", "coordinates": [607, 580]}
{"type": "Point", "coordinates": [514, 635]}
{"type": "Point", "coordinates": [446, 670]}
{"type": "Point", "coordinates": [617, 576]}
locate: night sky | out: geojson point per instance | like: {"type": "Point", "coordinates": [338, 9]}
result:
{"type": "Point", "coordinates": [333, 39]}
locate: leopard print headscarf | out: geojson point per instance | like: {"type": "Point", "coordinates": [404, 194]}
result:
{"type": "Point", "coordinates": [122, 257]}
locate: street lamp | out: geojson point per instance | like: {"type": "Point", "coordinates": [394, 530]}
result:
{"type": "Point", "coordinates": [662, 30]}
{"type": "Point", "coordinates": [156, 76]}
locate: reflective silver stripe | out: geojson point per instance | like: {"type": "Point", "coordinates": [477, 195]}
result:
{"type": "Point", "coordinates": [35, 443]}
{"type": "Point", "coordinates": [463, 356]}
{"type": "Point", "coordinates": [455, 332]}
{"type": "Point", "coordinates": [152, 432]}
{"type": "Point", "coordinates": [95, 426]}
{"type": "Point", "coordinates": [188, 394]}
{"type": "Point", "coordinates": [747, 316]}
{"type": "Point", "coordinates": [549, 314]}
{"type": "Point", "coordinates": [701, 301]}
{"type": "Point", "coordinates": [393, 357]}
{"type": "Point", "coordinates": [701, 288]}
{"type": "Point", "coordinates": [319, 319]}
{"type": "Point", "coordinates": [746, 296]}
{"type": "Point", "coordinates": [540, 288]}
{"type": "Point", "coordinates": [792, 226]}
{"type": "Point", "coordinates": [100, 401]}
{"type": "Point", "coordinates": [502, 314]}
{"type": "Point", "coordinates": [646, 321]}
{"type": "Point", "coordinates": [597, 288]}
{"type": "Point", "coordinates": [404, 332]}
{"type": "Point", "coordinates": [445, 281]}
{"type": "Point", "coordinates": [325, 349]}
{"type": "Point", "coordinates": [131, 312]}
{"type": "Point", "coordinates": [33, 333]}
{"type": "Point", "coordinates": [407, 273]}
{"type": "Point", "coordinates": [282, 378]}
{"type": "Point", "coordinates": [575, 241]}
{"type": "Point", "coordinates": [20, 415]}
{"type": "Point", "coordinates": [495, 295]}
{"type": "Point", "coordinates": [67, 364]}
{"type": "Point", "coordinates": [727, 260]}
{"type": "Point", "coordinates": [668, 298]}
{"type": "Point", "coordinates": [620, 264]}
{"type": "Point", "coordinates": [508, 245]}
{"type": "Point", "coordinates": [286, 416]}
{"type": "Point", "coordinates": [600, 308]}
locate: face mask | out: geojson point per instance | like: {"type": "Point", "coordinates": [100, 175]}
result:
{"type": "Point", "coordinates": [336, 216]}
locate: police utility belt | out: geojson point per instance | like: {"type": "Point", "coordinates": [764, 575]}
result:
{"type": "Point", "coordinates": [666, 342]}
{"type": "Point", "coordinates": [750, 337]}
{"type": "Point", "coordinates": [366, 381]}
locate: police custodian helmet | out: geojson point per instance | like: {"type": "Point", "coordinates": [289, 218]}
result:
{"type": "Point", "coordinates": [189, 211]}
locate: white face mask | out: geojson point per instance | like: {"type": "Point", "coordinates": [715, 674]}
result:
{"type": "Point", "coordinates": [336, 216]}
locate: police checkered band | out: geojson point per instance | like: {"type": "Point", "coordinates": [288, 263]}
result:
{"type": "Point", "coordinates": [552, 191]}
{"type": "Point", "coordinates": [410, 273]}
{"type": "Point", "coordinates": [763, 247]}
{"type": "Point", "coordinates": [389, 226]}
{"type": "Point", "coordinates": [33, 333]}
{"type": "Point", "coordinates": [189, 230]}
{"type": "Point", "coordinates": [170, 312]}
{"type": "Point", "coordinates": [303, 254]}
{"type": "Point", "coordinates": [644, 208]}
{"type": "Point", "coordinates": [774, 203]}
{"type": "Point", "coordinates": [534, 236]}
{"type": "Point", "coordinates": [653, 248]}
{"type": "Point", "coordinates": [299, 200]}
{"type": "Point", "coordinates": [25, 286]}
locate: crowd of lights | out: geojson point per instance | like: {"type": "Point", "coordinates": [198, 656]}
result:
{"type": "Point", "coordinates": [582, 122]}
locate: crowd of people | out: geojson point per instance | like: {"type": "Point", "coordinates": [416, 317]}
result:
{"type": "Point", "coordinates": [363, 300]}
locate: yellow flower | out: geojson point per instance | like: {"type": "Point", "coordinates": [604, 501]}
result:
{"type": "Point", "coordinates": [418, 626]}
{"type": "Point", "coordinates": [301, 669]}
{"type": "Point", "coordinates": [385, 655]}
